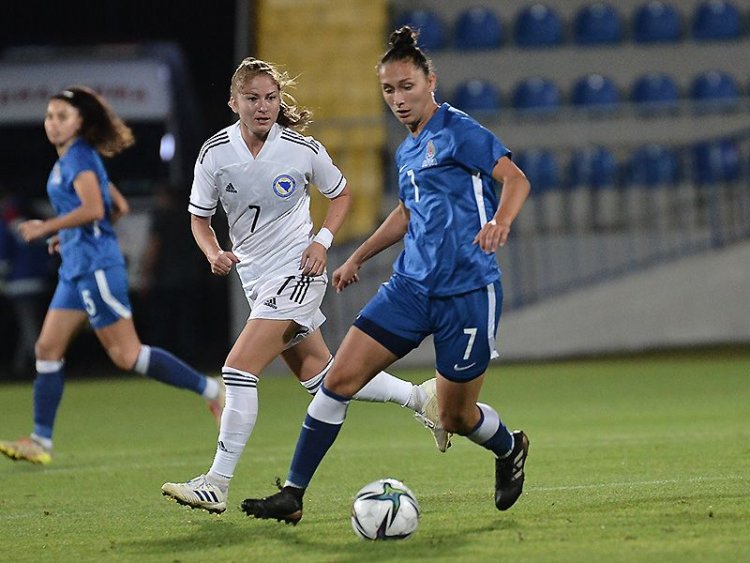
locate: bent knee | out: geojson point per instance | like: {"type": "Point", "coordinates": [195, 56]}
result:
{"type": "Point", "coordinates": [47, 351]}
{"type": "Point", "coordinates": [123, 358]}
{"type": "Point", "coordinates": [343, 383]}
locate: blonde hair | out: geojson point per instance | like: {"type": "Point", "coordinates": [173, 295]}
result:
{"type": "Point", "coordinates": [290, 115]}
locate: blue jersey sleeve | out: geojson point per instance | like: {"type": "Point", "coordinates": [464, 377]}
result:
{"type": "Point", "coordinates": [477, 148]}
{"type": "Point", "coordinates": [84, 158]}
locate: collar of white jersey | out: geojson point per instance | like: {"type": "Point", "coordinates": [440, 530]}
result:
{"type": "Point", "coordinates": [235, 136]}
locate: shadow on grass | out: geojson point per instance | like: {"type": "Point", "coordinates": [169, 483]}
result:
{"type": "Point", "coordinates": [270, 539]}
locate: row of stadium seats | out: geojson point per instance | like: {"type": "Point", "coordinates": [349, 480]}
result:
{"type": "Point", "coordinates": [540, 25]}
{"type": "Point", "coordinates": [653, 92]}
{"type": "Point", "coordinates": [650, 165]}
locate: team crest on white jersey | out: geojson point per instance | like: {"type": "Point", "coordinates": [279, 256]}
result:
{"type": "Point", "coordinates": [429, 157]}
{"type": "Point", "coordinates": [284, 185]}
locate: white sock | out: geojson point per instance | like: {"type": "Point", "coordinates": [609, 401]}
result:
{"type": "Point", "coordinates": [46, 443]}
{"type": "Point", "coordinates": [313, 384]}
{"type": "Point", "coordinates": [237, 421]}
{"type": "Point", "coordinates": [218, 481]}
{"type": "Point", "coordinates": [212, 389]}
{"type": "Point", "coordinates": [386, 388]}
{"type": "Point", "coordinates": [417, 399]}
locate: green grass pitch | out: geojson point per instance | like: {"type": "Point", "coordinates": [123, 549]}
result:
{"type": "Point", "coordinates": [631, 459]}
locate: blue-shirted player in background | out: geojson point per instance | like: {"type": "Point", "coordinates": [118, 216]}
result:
{"type": "Point", "coordinates": [446, 282]}
{"type": "Point", "coordinates": [92, 279]}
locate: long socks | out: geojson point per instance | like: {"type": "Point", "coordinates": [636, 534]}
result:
{"type": "Point", "coordinates": [325, 415]}
{"type": "Point", "coordinates": [48, 391]}
{"type": "Point", "coordinates": [159, 364]}
{"type": "Point", "coordinates": [237, 423]}
{"type": "Point", "coordinates": [491, 433]}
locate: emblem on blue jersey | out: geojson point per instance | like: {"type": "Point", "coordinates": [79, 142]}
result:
{"type": "Point", "coordinates": [429, 157]}
{"type": "Point", "coordinates": [284, 185]}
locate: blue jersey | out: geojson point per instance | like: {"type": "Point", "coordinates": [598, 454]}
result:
{"type": "Point", "coordinates": [89, 247]}
{"type": "Point", "coordinates": [445, 181]}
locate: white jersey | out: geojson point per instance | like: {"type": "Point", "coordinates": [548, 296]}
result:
{"type": "Point", "coordinates": [266, 198]}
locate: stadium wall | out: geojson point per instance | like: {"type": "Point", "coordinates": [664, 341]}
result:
{"type": "Point", "coordinates": [696, 301]}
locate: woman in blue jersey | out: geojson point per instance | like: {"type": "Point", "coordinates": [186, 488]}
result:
{"type": "Point", "coordinates": [445, 283]}
{"type": "Point", "coordinates": [92, 279]}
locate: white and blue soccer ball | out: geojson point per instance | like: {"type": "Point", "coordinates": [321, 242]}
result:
{"type": "Point", "coordinates": [385, 509]}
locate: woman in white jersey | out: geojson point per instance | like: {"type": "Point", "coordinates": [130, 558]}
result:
{"type": "Point", "coordinates": [260, 169]}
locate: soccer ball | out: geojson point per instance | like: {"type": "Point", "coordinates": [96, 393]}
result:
{"type": "Point", "coordinates": [385, 510]}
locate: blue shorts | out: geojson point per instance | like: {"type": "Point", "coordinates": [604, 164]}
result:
{"type": "Point", "coordinates": [103, 294]}
{"type": "Point", "coordinates": [464, 326]}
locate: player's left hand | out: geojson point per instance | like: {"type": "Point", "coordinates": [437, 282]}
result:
{"type": "Point", "coordinates": [493, 234]}
{"type": "Point", "coordinates": [32, 229]}
{"type": "Point", "coordinates": [314, 260]}
{"type": "Point", "coordinates": [345, 275]}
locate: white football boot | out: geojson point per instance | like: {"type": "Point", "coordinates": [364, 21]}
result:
{"type": "Point", "coordinates": [430, 415]}
{"type": "Point", "coordinates": [197, 493]}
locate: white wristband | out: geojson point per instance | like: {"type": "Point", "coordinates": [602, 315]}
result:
{"type": "Point", "coordinates": [324, 237]}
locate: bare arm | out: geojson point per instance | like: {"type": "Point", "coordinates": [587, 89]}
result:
{"type": "Point", "coordinates": [120, 205]}
{"type": "Point", "coordinates": [91, 209]}
{"type": "Point", "coordinates": [387, 234]}
{"type": "Point", "coordinates": [221, 261]}
{"type": "Point", "coordinates": [315, 256]}
{"type": "Point", "coordinates": [514, 193]}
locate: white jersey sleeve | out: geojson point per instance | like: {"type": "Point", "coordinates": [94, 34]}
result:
{"type": "Point", "coordinates": [204, 194]}
{"type": "Point", "coordinates": [325, 175]}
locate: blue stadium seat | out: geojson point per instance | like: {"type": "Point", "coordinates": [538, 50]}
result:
{"type": "Point", "coordinates": [541, 168]}
{"type": "Point", "coordinates": [595, 92]}
{"type": "Point", "coordinates": [430, 26]}
{"type": "Point", "coordinates": [716, 162]}
{"type": "Point", "coordinates": [536, 95]}
{"type": "Point", "coordinates": [477, 95]}
{"type": "Point", "coordinates": [593, 167]}
{"type": "Point", "coordinates": [597, 24]}
{"type": "Point", "coordinates": [716, 20]}
{"type": "Point", "coordinates": [655, 92]}
{"type": "Point", "coordinates": [657, 22]}
{"type": "Point", "coordinates": [538, 26]}
{"type": "Point", "coordinates": [478, 28]}
{"type": "Point", "coordinates": [715, 90]}
{"type": "Point", "coordinates": [654, 165]}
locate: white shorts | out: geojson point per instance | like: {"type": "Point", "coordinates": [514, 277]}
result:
{"type": "Point", "coordinates": [296, 298]}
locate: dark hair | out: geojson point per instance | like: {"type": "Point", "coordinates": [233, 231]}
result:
{"type": "Point", "coordinates": [290, 115]}
{"type": "Point", "coordinates": [100, 126]}
{"type": "Point", "coordinates": [402, 46]}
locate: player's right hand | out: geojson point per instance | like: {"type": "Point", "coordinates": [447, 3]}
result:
{"type": "Point", "coordinates": [345, 275]}
{"type": "Point", "coordinates": [53, 244]}
{"type": "Point", "coordinates": [222, 262]}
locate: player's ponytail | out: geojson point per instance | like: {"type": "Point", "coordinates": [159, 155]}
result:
{"type": "Point", "coordinates": [402, 46]}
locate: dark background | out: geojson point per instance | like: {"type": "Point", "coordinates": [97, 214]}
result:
{"type": "Point", "coordinates": [204, 30]}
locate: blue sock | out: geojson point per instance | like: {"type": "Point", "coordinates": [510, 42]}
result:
{"type": "Point", "coordinates": [48, 391]}
{"type": "Point", "coordinates": [491, 433]}
{"type": "Point", "coordinates": [325, 415]}
{"type": "Point", "coordinates": [161, 365]}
